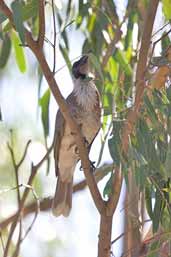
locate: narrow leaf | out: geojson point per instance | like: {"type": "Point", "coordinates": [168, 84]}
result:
{"type": "Point", "coordinates": [121, 59]}
{"type": "Point", "coordinates": [96, 64]}
{"type": "Point", "coordinates": [66, 57]}
{"type": "Point", "coordinates": [16, 7]}
{"type": "Point", "coordinates": [19, 53]}
{"type": "Point", "coordinates": [44, 104]}
{"type": "Point", "coordinates": [2, 17]}
{"type": "Point", "coordinates": [5, 51]}
{"type": "Point", "coordinates": [167, 9]}
{"type": "Point", "coordinates": [108, 187]}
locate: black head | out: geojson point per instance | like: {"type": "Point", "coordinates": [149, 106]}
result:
{"type": "Point", "coordinates": [80, 68]}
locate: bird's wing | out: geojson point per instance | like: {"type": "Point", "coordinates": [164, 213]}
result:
{"type": "Point", "coordinates": [59, 132]}
{"type": "Point", "coordinates": [97, 110]}
{"type": "Point", "coordinates": [60, 128]}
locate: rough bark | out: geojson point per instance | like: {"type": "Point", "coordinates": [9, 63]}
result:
{"type": "Point", "coordinates": [104, 244]}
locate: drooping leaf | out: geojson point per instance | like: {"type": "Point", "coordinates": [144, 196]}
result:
{"type": "Point", "coordinates": [168, 162]}
{"type": "Point", "coordinates": [5, 51]}
{"type": "Point", "coordinates": [44, 104]}
{"type": "Point", "coordinates": [120, 57]}
{"type": "Point", "coordinates": [108, 187]}
{"type": "Point", "coordinates": [29, 10]}
{"type": "Point", "coordinates": [19, 52]}
{"type": "Point", "coordinates": [165, 42]}
{"type": "Point", "coordinates": [148, 198]}
{"type": "Point", "coordinates": [65, 56]}
{"type": "Point", "coordinates": [157, 210]}
{"type": "Point", "coordinates": [40, 77]}
{"type": "Point", "coordinates": [2, 17]}
{"type": "Point", "coordinates": [96, 65]}
{"type": "Point", "coordinates": [63, 31]}
{"type": "Point", "coordinates": [16, 7]}
{"type": "Point", "coordinates": [150, 109]}
{"type": "Point", "coordinates": [115, 143]}
{"type": "Point", "coordinates": [128, 38]}
{"type": "Point", "coordinates": [167, 9]}
{"type": "Point", "coordinates": [68, 7]}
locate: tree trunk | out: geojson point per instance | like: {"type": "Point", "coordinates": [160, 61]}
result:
{"type": "Point", "coordinates": [104, 244]}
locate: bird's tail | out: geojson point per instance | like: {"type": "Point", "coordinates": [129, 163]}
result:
{"type": "Point", "coordinates": [62, 201]}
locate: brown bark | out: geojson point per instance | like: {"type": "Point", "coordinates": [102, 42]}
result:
{"type": "Point", "coordinates": [104, 244]}
{"type": "Point", "coordinates": [133, 238]}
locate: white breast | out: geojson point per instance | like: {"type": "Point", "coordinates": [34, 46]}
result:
{"type": "Point", "coordinates": [86, 93]}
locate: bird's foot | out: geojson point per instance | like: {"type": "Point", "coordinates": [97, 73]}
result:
{"type": "Point", "coordinates": [92, 164]}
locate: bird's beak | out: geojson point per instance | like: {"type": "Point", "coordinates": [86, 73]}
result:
{"type": "Point", "coordinates": [83, 60]}
{"type": "Point", "coordinates": [83, 65]}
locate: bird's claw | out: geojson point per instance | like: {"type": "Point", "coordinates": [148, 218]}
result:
{"type": "Point", "coordinates": [92, 164]}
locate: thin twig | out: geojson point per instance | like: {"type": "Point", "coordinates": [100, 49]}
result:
{"type": "Point", "coordinates": [156, 32]}
{"type": "Point", "coordinates": [24, 154]}
{"type": "Point", "coordinates": [34, 170]}
{"type": "Point", "coordinates": [117, 238]}
{"type": "Point", "coordinates": [54, 39]}
{"type": "Point", "coordinates": [156, 42]}
{"type": "Point", "coordinates": [46, 203]}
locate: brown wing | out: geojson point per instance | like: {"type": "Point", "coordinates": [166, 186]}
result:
{"type": "Point", "coordinates": [60, 128]}
{"type": "Point", "coordinates": [97, 110]}
{"type": "Point", "coordinates": [59, 132]}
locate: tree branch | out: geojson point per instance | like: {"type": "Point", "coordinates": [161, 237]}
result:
{"type": "Point", "coordinates": [46, 203]}
{"type": "Point", "coordinates": [116, 189]}
{"type": "Point", "coordinates": [41, 24]}
{"type": "Point", "coordinates": [140, 73]}
{"type": "Point", "coordinates": [83, 152]}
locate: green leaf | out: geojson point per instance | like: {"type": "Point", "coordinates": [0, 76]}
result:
{"type": "Point", "coordinates": [165, 42]}
{"type": "Point", "coordinates": [108, 187]}
{"type": "Point", "coordinates": [140, 176]}
{"type": "Point", "coordinates": [167, 9]}
{"type": "Point", "coordinates": [128, 38]}
{"type": "Point", "coordinates": [63, 26]}
{"type": "Point", "coordinates": [168, 162]}
{"type": "Point", "coordinates": [44, 104]}
{"type": "Point", "coordinates": [19, 53]}
{"type": "Point", "coordinates": [115, 143]}
{"type": "Point", "coordinates": [157, 211]}
{"type": "Point", "coordinates": [120, 57]}
{"type": "Point", "coordinates": [16, 7]}
{"type": "Point", "coordinates": [148, 198]}
{"type": "Point", "coordinates": [2, 17]}
{"type": "Point", "coordinates": [150, 109]}
{"type": "Point", "coordinates": [64, 52]}
{"type": "Point", "coordinates": [29, 10]}
{"type": "Point", "coordinates": [96, 64]}
{"type": "Point", "coordinates": [5, 51]}
{"type": "Point", "coordinates": [40, 77]}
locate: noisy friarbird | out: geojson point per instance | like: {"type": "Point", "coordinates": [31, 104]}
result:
{"type": "Point", "coordinates": [85, 107]}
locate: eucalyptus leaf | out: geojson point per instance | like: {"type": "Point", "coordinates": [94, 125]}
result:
{"type": "Point", "coordinates": [19, 52]}
{"type": "Point", "coordinates": [5, 51]}
{"type": "Point", "coordinates": [167, 9]}
{"type": "Point", "coordinates": [44, 104]}
{"type": "Point", "coordinates": [16, 7]}
{"type": "Point", "coordinates": [2, 17]}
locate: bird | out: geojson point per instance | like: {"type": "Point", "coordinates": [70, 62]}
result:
{"type": "Point", "coordinates": [84, 104]}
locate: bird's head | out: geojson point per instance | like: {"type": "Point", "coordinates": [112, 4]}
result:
{"type": "Point", "coordinates": [80, 69]}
